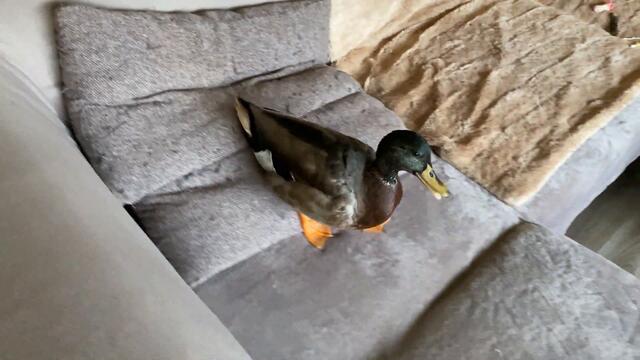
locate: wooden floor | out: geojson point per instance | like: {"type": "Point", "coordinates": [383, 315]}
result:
{"type": "Point", "coordinates": [611, 224]}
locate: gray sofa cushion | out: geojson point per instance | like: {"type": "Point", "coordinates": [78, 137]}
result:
{"type": "Point", "coordinates": [117, 67]}
{"type": "Point", "coordinates": [365, 290]}
{"type": "Point", "coordinates": [587, 172]}
{"type": "Point", "coordinates": [532, 295]}
{"type": "Point", "coordinates": [117, 56]}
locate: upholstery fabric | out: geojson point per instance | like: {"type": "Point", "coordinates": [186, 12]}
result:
{"type": "Point", "coordinates": [115, 62]}
{"type": "Point", "coordinates": [79, 279]}
{"type": "Point", "coordinates": [115, 57]}
{"type": "Point", "coordinates": [587, 173]}
{"type": "Point", "coordinates": [533, 295]}
{"type": "Point", "coordinates": [27, 35]}
{"type": "Point", "coordinates": [530, 295]}
{"type": "Point", "coordinates": [354, 299]}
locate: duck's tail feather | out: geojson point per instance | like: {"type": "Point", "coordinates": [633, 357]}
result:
{"type": "Point", "coordinates": [267, 160]}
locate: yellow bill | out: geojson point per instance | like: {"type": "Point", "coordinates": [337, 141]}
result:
{"type": "Point", "coordinates": [430, 180]}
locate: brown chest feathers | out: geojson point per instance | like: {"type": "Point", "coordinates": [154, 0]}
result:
{"type": "Point", "coordinates": [378, 201]}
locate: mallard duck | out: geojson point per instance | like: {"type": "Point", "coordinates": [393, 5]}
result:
{"type": "Point", "coordinates": [331, 179]}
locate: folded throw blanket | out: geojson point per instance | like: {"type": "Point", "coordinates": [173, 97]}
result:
{"type": "Point", "coordinates": [506, 89]}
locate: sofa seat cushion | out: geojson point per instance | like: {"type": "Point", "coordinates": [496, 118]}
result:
{"type": "Point", "coordinates": [365, 290]}
{"type": "Point", "coordinates": [530, 295]}
{"type": "Point", "coordinates": [533, 295]}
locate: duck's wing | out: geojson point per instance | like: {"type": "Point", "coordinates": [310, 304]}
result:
{"type": "Point", "coordinates": [300, 151]}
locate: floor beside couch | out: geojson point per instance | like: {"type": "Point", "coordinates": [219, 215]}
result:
{"type": "Point", "coordinates": [610, 226]}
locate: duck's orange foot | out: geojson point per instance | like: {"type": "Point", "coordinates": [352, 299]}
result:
{"type": "Point", "coordinates": [376, 229]}
{"type": "Point", "coordinates": [315, 232]}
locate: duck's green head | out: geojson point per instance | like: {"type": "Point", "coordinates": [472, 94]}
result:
{"type": "Point", "coordinates": [405, 150]}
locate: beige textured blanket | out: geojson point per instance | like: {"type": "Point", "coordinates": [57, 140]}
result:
{"type": "Point", "coordinates": [625, 23]}
{"type": "Point", "coordinates": [507, 90]}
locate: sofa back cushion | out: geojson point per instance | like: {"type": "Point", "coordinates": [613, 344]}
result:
{"type": "Point", "coordinates": [79, 279]}
{"type": "Point", "coordinates": [27, 38]}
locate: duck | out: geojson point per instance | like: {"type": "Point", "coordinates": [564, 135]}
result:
{"type": "Point", "coordinates": [332, 180]}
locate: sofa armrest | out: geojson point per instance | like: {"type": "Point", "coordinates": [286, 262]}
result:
{"type": "Point", "coordinates": [79, 279]}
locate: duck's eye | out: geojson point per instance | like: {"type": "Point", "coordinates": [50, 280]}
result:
{"type": "Point", "coordinates": [416, 153]}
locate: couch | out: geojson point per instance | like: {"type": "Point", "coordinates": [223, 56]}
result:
{"type": "Point", "coordinates": [473, 280]}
